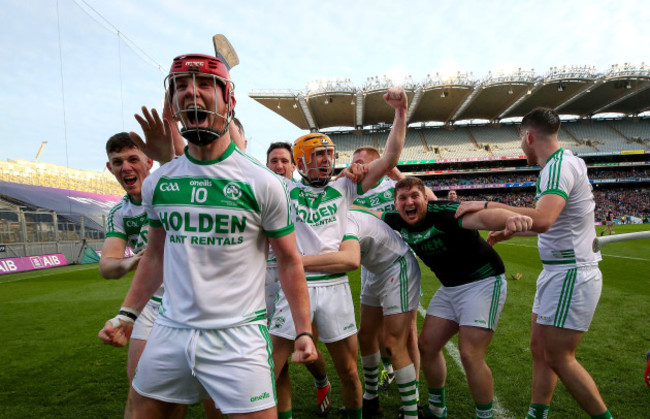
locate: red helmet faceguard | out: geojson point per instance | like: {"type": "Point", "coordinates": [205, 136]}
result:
{"type": "Point", "coordinates": [195, 66]}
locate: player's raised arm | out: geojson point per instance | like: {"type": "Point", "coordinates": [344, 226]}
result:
{"type": "Point", "coordinates": [396, 98]}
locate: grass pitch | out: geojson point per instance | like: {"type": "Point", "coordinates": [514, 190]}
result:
{"type": "Point", "coordinates": [55, 367]}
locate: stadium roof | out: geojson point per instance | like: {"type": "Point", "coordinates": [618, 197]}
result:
{"type": "Point", "coordinates": [575, 90]}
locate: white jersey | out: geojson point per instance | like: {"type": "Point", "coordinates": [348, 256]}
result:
{"type": "Point", "coordinates": [128, 221]}
{"type": "Point", "coordinates": [217, 216]}
{"type": "Point", "coordinates": [380, 197]}
{"type": "Point", "coordinates": [320, 217]}
{"type": "Point", "coordinates": [567, 243]}
{"type": "Point", "coordinates": [380, 245]}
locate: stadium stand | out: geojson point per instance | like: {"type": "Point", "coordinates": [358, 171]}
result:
{"type": "Point", "coordinates": [55, 176]}
{"type": "Point", "coordinates": [474, 142]}
{"type": "Point", "coordinates": [46, 208]}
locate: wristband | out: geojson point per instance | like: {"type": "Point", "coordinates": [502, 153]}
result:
{"type": "Point", "coordinates": [305, 334]}
{"type": "Point", "coordinates": [129, 313]}
{"type": "Point", "coordinates": [485, 206]}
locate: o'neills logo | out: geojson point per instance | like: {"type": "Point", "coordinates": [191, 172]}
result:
{"type": "Point", "coordinates": [262, 396]}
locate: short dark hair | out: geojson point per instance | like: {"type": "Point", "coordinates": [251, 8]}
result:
{"type": "Point", "coordinates": [239, 125]}
{"type": "Point", "coordinates": [408, 183]}
{"type": "Point", "coordinates": [280, 144]}
{"type": "Point", "coordinates": [545, 120]}
{"type": "Point", "coordinates": [119, 141]}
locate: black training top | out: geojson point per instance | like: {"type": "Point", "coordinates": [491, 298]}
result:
{"type": "Point", "coordinates": [456, 255]}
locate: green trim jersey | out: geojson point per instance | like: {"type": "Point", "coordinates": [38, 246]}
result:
{"type": "Point", "coordinates": [320, 217]}
{"type": "Point", "coordinates": [380, 245]}
{"type": "Point", "coordinates": [456, 255]}
{"type": "Point", "coordinates": [128, 221]}
{"type": "Point", "coordinates": [567, 243]}
{"type": "Point", "coordinates": [217, 216]}
{"type": "Point", "coordinates": [380, 197]}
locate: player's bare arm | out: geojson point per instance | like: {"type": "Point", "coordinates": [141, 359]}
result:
{"type": "Point", "coordinates": [294, 285]}
{"type": "Point", "coordinates": [396, 98]}
{"type": "Point", "coordinates": [147, 279]}
{"type": "Point", "coordinates": [347, 259]}
{"type": "Point", "coordinates": [497, 219]}
{"type": "Point", "coordinates": [544, 215]}
{"type": "Point", "coordinates": [113, 264]}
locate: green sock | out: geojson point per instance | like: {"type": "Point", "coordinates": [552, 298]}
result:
{"type": "Point", "coordinates": [483, 410]}
{"type": "Point", "coordinates": [285, 415]}
{"type": "Point", "coordinates": [605, 415]}
{"type": "Point", "coordinates": [538, 411]}
{"type": "Point", "coordinates": [353, 413]}
{"type": "Point", "coordinates": [437, 397]}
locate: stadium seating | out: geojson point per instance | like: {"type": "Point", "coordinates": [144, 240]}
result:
{"type": "Point", "coordinates": [483, 141]}
{"type": "Point", "coordinates": [54, 176]}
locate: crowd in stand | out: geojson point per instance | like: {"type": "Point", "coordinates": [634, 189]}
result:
{"type": "Point", "coordinates": [623, 202]}
{"type": "Point", "coordinates": [510, 177]}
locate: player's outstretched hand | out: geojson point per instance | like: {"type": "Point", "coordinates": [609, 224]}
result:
{"type": "Point", "coordinates": [466, 207]}
{"type": "Point", "coordinates": [159, 144]}
{"type": "Point", "coordinates": [116, 332]}
{"type": "Point", "coordinates": [519, 223]}
{"type": "Point", "coordinates": [304, 350]}
{"type": "Point", "coordinates": [396, 97]}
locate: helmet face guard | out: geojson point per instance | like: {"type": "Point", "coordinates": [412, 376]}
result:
{"type": "Point", "coordinates": [307, 150]}
{"type": "Point", "coordinates": [202, 71]}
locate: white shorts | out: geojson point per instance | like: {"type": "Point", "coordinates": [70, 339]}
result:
{"type": "Point", "coordinates": [331, 309]}
{"type": "Point", "coordinates": [233, 366]}
{"type": "Point", "coordinates": [476, 304]}
{"type": "Point", "coordinates": [396, 290]}
{"type": "Point", "coordinates": [146, 319]}
{"type": "Point", "coordinates": [271, 288]}
{"type": "Point", "coordinates": [568, 299]}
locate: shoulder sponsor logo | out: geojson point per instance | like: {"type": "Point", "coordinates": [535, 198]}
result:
{"type": "Point", "coordinates": [169, 187]}
{"type": "Point", "coordinates": [262, 396]}
{"type": "Point", "coordinates": [232, 191]}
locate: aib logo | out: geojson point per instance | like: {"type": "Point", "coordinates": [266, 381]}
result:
{"type": "Point", "coordinates": [232, 191]}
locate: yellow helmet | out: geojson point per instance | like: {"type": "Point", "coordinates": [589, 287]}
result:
{"type": "Point", "coordinates": [305, 150]}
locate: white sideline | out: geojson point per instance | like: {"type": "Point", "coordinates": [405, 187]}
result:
{"type": "Point", "coordinates": [601, 252]}
{"type": "Point", "coordinates": [498, 411]}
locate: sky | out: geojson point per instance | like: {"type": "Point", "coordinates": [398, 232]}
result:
{"type": "Point", "coordinates": [75, 71]}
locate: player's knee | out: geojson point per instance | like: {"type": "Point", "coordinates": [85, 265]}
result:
{"type": "Point", "coordinates": [349, 374]}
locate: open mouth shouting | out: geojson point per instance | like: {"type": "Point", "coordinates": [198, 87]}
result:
{"type": "Point", "coordinates": [411, 214]}
{"type": "Point", "coordinates": [196, 116]}
{"type": "Point", "coordinates": [130, 180]}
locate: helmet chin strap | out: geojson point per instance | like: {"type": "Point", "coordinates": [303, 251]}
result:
{"type": "Point", "coordinates": [203, 136]}
{"type": "Point", "coordinates": [317, 183]}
